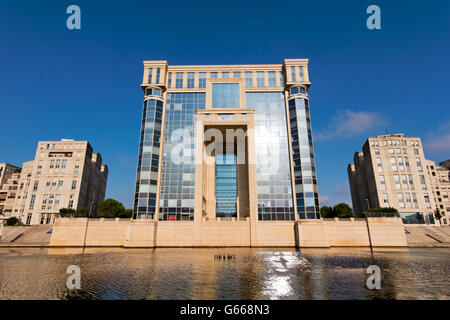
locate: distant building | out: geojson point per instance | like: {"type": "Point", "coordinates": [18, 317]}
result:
{"type": "Point", "coordinates": [440, 181]}
{"type": "Point", "coordinates": [391, 172]}
{"type": "Point", "coordinates": [7, 171]}
{"type": "Point", "coordinates": [63, 174]}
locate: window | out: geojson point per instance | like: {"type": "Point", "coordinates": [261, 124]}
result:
{"type": "Point", "coordinates": [158, 72]}
{"type": "Point", "coordinates": [202, 80]}
{"type": "Point", "coordinates": [60, 184]}
{"type": "Point", "coordinates": [47, 186]}
{"type": "Point", "coordinates": [52, 164]}
{"type": "Point", "coordinates": [169, 83]}
{"type": "Point", "coordinates": [391, 151]}
{"type": "Point", "coordinates": [248, 79]}
{"type": "Point", "coordinates": [404, 150]}
{"type": "Point", "coordinates": [416, 204]}
{"type": "Point", "coordinates": [404, 182]}
{"type": "Point", "coordinates": [281, 79]}
{"type": "Point", "coordinates": [377, 152]}
{"type": "Point", "coordinates": [427, 200]}
{"type": "Point", "coordinates": [225, 74]}
{"type": "Point", "coordinates": [419, 164]}
{"type": "Point", "coordinates": [57, 198]}
{"type": "Point", "coordinates": [58, 164]}
{"type": "Point", "coordinates": [411, 182]}
{"type": "Point", "coordinates": [383, 183]}
{"type": "Point", "coordinates": [70, 205]}
{"type": "Point", "coordinates": [302, 78]}
{"type": "Point", "coordinates": [190, 80]}
{"type": "Point", "coordinates": [150, 74]}
{"type": "Point", "coordinates": [422, 181]}
{"type": "Point", "coordinates": [393, 164]}
{"type": "Point", "coordinates": [53, 186]}
{"type": "Point", "coordinates": [225, 95]}
{"type": "Point", "coordinates": [293, 74]}
{"type": "Point", "coordinates": [33, 199]}
{"type": "Point", "coordinates": [214, 74]}
{"type": "Point", "coordinates": [408, 200]}
{"type": "Point", "coordinates": [400, 163]}
{"type": "Point", "coordinates": [397, 182]}
{"type": "Point", "coordinates": [63, 164]}
{"type": "Point", "coordinates": [380, 167]}
{"type": "Point", "coordinates": [29, 218]}
{"type": "Point", "coordinates": [74, 184]}
{"type": "Point", "coordinates": [179, 80]}
{"type": "Point", "coordinates": [416, 151]}
{"type": "Point", "coordinates": [385, 200]}
{"type": "Point", "coordinates": [236, 74]}
{"type": "Point", "coordinates": [35, 186]}
{"type": "Point", "coordinates": [401, 202]}
{"type": "Point", "coordinates": [260, 79]}
{"type": "Point", "coordinates": [407, 164]}
{"type": "Point", "coordinates": [272, 79]}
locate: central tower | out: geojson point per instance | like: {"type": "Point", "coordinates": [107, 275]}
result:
{"type": "Point", "coordinates": [231, 142]}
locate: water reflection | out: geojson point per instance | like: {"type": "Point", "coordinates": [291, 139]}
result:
{"type": "Point", "coordinates": [255, 273]}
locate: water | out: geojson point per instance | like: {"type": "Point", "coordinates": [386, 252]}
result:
{"type": "Point", "coordinates": [254, 273]}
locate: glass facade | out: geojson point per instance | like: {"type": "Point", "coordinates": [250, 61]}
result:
{"type": "Point", "coordinates": [303, 156]}
{"type": "Point", "coordinates": [226, 186]}
{"type": "Point", "coordinates": [225, 95]}
{"type": "Point", "coordinates": [168, 162]}
{"type": "Point", "coordinates": [178, 169]}
{"type": "Point", "coordinates": [148, 160]}
{"type": "Point", "coordinates": [273, 175]}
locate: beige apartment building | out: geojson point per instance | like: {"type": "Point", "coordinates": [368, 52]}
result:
{"type": "Point", "coordinates": [440, 182]}
{"type": "Point", "coordinates": [391, 171]}
{"type": "Point", "coordinates": [63, 174]}
{"type": "Point", "coordinates": [7, 171]}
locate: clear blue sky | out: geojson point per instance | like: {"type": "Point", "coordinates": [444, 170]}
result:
{"type": "Point", "coordinates": [56, 83]}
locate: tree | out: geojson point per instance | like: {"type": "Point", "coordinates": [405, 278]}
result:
{"type": "Point", "coordinates": [326, 212]}
{"type": "Point", "coordinates": [343, 210]}
{"type": "Point", "coordinates": [437, 215]}
{"type": "Point", "coordinates": [110, 208]}
{"type": "Point", "coordinates": [82, 212]}
{"type": "Point", "coordinates": [67, 212]}
{"type": "Point", "coordinates": [12, 221]}
{"type": "Point", "coordinates": [128, 213]}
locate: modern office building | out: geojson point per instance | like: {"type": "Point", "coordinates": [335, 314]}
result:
{"type": "Point", "coordinates": [391, 171]}
{"type": "Point", "coordinates": [63, 174]}
{"type": "Point", "coordinates": [226, 141]}
{"type": "Point", "coordinates": [440, 183]}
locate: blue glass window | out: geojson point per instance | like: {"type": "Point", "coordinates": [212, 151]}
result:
{"type": "Point", "coordinates": [225, 74]}
{"type": "Point", "coordinates": [248, 79]}
{"type": "Point", "coordinates": [236, 74]}
{"type": "Point", "coordinates": [293, 76]}
{"type": "Point", "coordinates": [281, 79]}
{"type": "Point", "coordinates": [272, 79]}
{"type": "Point", "coordinates": [225, 95]}
{"type": "Point", "coordinates": [158, 72]}
{"type": "Point", "coordinates": [150, 72]}
{"type": "Point", "coordinates": [179, 80]}
{"type": "Point", "coordinates": [301, 73]}
{"type": "Point", "coordinates": [190, 80]}
{"type": "Point", "coordinates": [214, 74]}
{"type": "Point", "coordinates": [226, 185]}
{"type": "Point", "coordinates": [169, 83]}
{"type": "Point", "coordinates": [202, 80]}
{"type": "Point", "coordinates": [260, 79]}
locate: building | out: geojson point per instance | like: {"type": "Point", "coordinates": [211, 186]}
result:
{"type": "Point", "coordinates": [7, 171]}
{"type": "Point", "coordinates": [440, 182]}
{"type": "Point", "coordinates": [226, 142]}
{"type": "Point", "coordinates": [391, 172]}
{"type": "Point", "coordinates": [63, 174]}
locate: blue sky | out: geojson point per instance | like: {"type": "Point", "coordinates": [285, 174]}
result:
{"type": "Point", "coordinates": [84, 84]}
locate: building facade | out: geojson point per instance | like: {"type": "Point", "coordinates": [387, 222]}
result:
{"type": "Point", "coordinates": [230, 142]}
{"type": "Point", "coordinates": [63, 174]}
{"type": "Point", "coordinates": [7, 171]}
{"type": "Point", "coordinates": [391, 171]}
{"type": "Point", "coordinates": [440, 183]}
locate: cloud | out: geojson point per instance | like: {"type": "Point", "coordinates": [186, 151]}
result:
{"type": "Point", "coordinates": [325, 201]}
{"type": "Point", "coordinates": [438, 142]}
{"type": "Point", "coordinates": [349, 123]}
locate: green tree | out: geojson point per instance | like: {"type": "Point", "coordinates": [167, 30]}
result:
{"type": "Point", "coordinates": [343, 210]}
{"type": "Point", "coordinates": [82, 212]}
{"type": "Point", "coordinates": [326, 212]}
{"type": "Point", "coordinates": [12, 221]}
{"type": "Point", "coordinates": [67, 212]}
{"type": "Point", "coordinates": [128, 213]}
{"type": "Point", "coordinates": [110, 208]}
{"type": "Point", "coordinates": [437, 215]}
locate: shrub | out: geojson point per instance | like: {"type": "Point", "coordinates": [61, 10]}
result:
{"type": "Point", "coordinates": [12, 221]}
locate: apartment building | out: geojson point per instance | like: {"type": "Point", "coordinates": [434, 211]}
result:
{"type": "Point", "coordinates": [7, 171]}
{"type": "Point", "coordinates": [440, 182]}
{"type": "Point", "coordinates": [63, 174]}
{"type": "Point", "coordinates": [391, 171]}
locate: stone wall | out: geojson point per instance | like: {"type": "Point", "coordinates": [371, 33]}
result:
{"type": "Point", "coordinates": [384, 232]}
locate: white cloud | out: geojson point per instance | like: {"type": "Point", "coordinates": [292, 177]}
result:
{"type": "Point", "coordinates": [349, 123]}
{"type": "Point", "coordinates": [439, 142]}
{"type": "Point", "coordinates": [325, 201]}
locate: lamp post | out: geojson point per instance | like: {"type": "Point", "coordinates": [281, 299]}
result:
{"type": "Point", "coordinates": [367, 224]}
